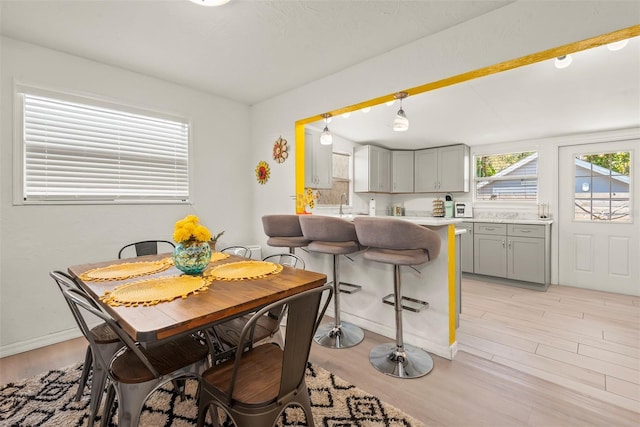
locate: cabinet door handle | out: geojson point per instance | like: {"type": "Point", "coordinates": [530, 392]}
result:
{"type": "Point", "coordinates": [509, 244]}
{"type": "Point", "coordinates": [503, 243]}
{"type": "Point", "coordinates": [489, 228]}
{"type": "Point", "coordinates": [524, 230]}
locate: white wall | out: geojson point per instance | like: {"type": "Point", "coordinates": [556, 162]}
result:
{"type": "Point", "coordinates": [513, 31]}
{"type": "Point", "coordinates": [37, 239]}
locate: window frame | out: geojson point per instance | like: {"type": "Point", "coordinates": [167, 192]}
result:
{"type": "Point", "coordinates": [512, 202]}
{"type": "Point", "coordinates": [19, 159]}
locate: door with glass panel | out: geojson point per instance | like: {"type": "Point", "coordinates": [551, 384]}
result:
{"type": "Point", "coordinates": [598, 216]}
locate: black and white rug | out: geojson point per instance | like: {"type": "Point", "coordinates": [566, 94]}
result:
{"type": "Point", "coordinates": [47, 400]}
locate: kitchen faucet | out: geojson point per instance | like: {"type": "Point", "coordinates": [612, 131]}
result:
{"type": "Point", "coordinates": [345, 199]}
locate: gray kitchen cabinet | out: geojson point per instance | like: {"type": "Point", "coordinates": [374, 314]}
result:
{"type": "Point", "coordinates": [318, 162]}
{"type": "Point", "coordinates": [466, 247]}
{"type": "Point", "coordinates": [402, 171]}
{"type": "Point", "coordinates": [371, 169]}
{"type": "Point", "coordinates": [442, 169]}
{"type": "Point", "coordinates": [512, 251]}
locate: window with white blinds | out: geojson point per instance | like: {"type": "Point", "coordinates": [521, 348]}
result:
{"type": "Point", "coordinates": [76, 151]}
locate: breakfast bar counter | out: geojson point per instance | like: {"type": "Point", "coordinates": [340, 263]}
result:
{"type": "Point", "coordinates": [433, 328]}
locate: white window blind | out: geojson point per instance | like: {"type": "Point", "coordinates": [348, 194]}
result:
{"type": "Point", "coordinates": [76, 151]}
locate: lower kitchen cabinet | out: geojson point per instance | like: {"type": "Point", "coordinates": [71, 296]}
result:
{"type": "Point", "coordinates": [466, 247]}
{"type": "Point", "coordinates": [518, 252]}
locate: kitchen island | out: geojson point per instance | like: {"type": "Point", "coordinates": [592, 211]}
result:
{"type": "Point", "coordinates": [433, 328]}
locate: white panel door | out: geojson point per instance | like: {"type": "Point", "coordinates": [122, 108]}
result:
{"type": "Point", "coordinates": [599, 219]}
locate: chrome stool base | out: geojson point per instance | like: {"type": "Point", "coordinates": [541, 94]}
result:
{"type": "Point", "coordinates": [414, 362]}
{"type": "Point", "coordinates": [345, 336]}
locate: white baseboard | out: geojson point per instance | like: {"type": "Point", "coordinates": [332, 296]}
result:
{"type": "Point", "coordinates": [34, 343]}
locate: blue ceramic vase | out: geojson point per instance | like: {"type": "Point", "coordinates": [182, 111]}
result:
{"type": "Point", "coordinates": [192, 258]}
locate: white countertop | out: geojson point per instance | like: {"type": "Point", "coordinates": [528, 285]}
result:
{"type": "Point", "coordinates": [509, 220]}
{"type": "Point", "coordinates": [438, 221]}
{"type": "Point", "coordinates": [420, 220]}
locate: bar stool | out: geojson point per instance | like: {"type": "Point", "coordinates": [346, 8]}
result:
{"type": "Point", "coordinates": [284, 232]}
{"type": "Point", "coordinates": [398, 242]}
{"type": "Point", "coordinates": [334, 236]}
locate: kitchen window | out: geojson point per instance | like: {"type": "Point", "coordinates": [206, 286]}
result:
{"type": "Point", "coordinates": [507, 177]}
{"type": "Point", "coordinates": [77, 149]}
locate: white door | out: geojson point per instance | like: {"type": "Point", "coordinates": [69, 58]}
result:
{"type": "Point", "coordinates": [599, 219]}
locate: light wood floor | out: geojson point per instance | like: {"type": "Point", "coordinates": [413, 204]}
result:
{"type": "Point", "coordinates": [566, 357]}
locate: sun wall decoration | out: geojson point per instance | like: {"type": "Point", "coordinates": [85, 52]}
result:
{"type": "Point", "coordinates": [262, 172]}
{"type": "Point", "coordinates": [280, 150]}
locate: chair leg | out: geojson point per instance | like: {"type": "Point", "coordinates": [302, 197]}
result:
{"type": "Point", "coordinates": [108, 406]}
{"type": "Point", "coordinates": [88, 361]}
{"type": "Point", "coordinates": [338, 334]}
{"type": "Point", "coordinates": [398, 359]}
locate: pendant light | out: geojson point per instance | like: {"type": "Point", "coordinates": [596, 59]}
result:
{"type": "Point", "coordinates": [401, 123]}
{"type": "Point", "coordinates": [325, 136]}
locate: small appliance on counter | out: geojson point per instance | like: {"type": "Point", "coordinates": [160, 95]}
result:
{"type": "Point", "coordinates": [463, 210]}
{"type": "Point", "coordinates": [448, 206]}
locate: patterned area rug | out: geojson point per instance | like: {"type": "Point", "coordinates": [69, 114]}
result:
{"type": "Point", "coordinates": [47, 400]}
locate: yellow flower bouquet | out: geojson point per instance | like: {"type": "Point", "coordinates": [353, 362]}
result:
{"type": "Point", "coordinates": [193, 253]}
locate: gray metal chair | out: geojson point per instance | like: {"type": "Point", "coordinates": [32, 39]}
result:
{"type": "Point", "coordinates": [334, 236]}
{"type": "Point", "coordinates": [227, 334]}
{"type": "Point", "coordinates": [284, 232]}
{"type": "Point", "coordinates": [105, 342]}
{"type": "Point", "coordinates": [256, 386]}
{"type": "Point", "coordinates": [146, 247]}
{"type": "Point", "coordinates": [241, 251]}
{"type": "Point", "coordinates": [136, 372]}
{"type": "Point", "coordinates": [398, 242]}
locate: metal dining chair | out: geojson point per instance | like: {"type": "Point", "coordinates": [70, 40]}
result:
{"type": "Point", "coordinates": [135, 372]}
{"type": "Point", "coordinates": [147, 247]}
{"type": "Point", "coordinates": [227, 334]}
{"type": "Point", "coordinates": [256, 386]}
{"type": "Point", "coordinates": [105, 342]}
{"type": "Point", "coordinates": [241, 251]}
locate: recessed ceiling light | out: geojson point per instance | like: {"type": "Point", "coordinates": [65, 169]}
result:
{"type": "Point", "coordinates": [210, 2]}
{"type": "Point", "coordinates": [366, 109]}
{"type": "Point", "coordinates": [346, 115]}
{"type": "Point", "coordinates": [563, 61]}
{"type": "Point", "coordinates": [617, 45]}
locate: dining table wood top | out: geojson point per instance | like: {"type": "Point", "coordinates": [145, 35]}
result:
{"type": "Point", "coordinates": [222, 300]}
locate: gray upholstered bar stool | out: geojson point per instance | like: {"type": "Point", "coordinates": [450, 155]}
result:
{"type": "Point", "coordinates": [284, 232]}
{"type": "Point", "coordinates": [334, 236]}
{"type": "Point", "coordinates": [398, 242]}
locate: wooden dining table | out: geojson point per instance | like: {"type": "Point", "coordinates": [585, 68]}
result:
{"type": "Point", "coordinates": [221, 301]}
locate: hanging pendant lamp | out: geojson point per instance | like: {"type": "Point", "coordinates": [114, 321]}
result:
{"type": "Point", "coordinates": [401, 123]}
{"type": "Point", "coordinates": [325, 136]}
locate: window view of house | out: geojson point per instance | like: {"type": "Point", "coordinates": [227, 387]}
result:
{"type": "Point", "coordinates": [507, 177]}
{"type": "Point", "coordinates": [602, 183]}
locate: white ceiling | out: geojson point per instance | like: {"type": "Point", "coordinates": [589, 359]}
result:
{"type": "Point", "coordinates": [250, 51]}
{"type": "Point", "coordinates": [246, 50]}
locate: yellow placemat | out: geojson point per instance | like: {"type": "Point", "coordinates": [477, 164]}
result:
{"type": "Point", "coordinates": [217, 256]}
{"type": "Point", "coordinates": [243, 270]}
{"type": "Point", "coordinates": [156, 290]}
{"type": "Point", "coordinates": [126, 270]}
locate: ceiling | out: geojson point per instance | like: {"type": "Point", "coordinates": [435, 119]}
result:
{"type": "Point", "coordinates": [250, 51]}
{"type": "Point", "coordinates": [246, 50]}
{"type": "Point", "coordinates": [599, 91]}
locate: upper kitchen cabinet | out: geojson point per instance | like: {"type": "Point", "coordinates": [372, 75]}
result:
{"type": "Point", "coordinates": [442, 169]}
{"type": "Point", "coordinates": [371, 169]}
{"type": "Point", "coordinates": [402, 171]}
{"type": "Point", "coordinates": [318, 162]}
